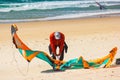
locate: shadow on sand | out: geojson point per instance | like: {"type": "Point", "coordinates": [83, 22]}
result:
{"type": "Point", "coordinates": [56, 71]}
{"type": "Point", "coordinates": [51, 71]}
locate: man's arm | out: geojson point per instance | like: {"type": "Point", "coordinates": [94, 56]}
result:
{"type": "Point", "coordinates": [52, 44]}
{"type": "Point", "coordinates": [61, 43]}
{"type": "Point", "coordinates": [66, 47]}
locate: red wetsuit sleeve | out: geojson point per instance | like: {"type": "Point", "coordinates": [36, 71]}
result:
{"type": "Point", "coordinates": [52, 43]}
{"type": "Point", "coordinates": [61, 43]}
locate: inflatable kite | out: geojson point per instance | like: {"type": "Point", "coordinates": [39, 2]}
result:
{"type": "Point", "coordinates": [76, 63]}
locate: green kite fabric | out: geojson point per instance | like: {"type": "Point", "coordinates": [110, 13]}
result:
{"type": "Point", "coordinates": [76, 63]}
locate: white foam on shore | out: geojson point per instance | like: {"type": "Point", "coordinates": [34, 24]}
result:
{"type": "Point", "coordinates": [70, 16]}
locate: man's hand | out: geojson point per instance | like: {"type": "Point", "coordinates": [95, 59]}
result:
{"type": "Point", "coordinates": [53, 54]}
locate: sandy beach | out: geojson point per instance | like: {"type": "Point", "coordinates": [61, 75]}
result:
{"type": "Point", "coordinates": [88, 37]}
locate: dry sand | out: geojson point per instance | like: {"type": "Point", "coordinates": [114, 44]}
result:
{"type": "Point", "coordinates": [89, 37]}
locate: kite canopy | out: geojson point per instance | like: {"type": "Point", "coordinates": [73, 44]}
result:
{"type": "Point", "coordinates": [29, 54]}
{"type": "Point", "coordinates": [75, 63]}
{"type": "Point", "coordinates": [13, 28]}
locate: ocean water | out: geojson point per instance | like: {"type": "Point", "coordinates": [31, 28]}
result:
{"type": "Point", "coordinates": [31, 10]}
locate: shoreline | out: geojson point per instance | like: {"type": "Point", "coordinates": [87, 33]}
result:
{"type": "Point", "coordinates": [39, 20]}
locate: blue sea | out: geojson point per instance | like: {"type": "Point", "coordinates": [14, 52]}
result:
{"type": "Point", "coordinates": [35, 10]}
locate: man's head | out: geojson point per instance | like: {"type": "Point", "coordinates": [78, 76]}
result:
{"type": "Point", "coordinates": [57, 35]}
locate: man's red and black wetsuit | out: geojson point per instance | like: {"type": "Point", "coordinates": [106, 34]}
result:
{"type": "Point", "coordinates": [54, 43]}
